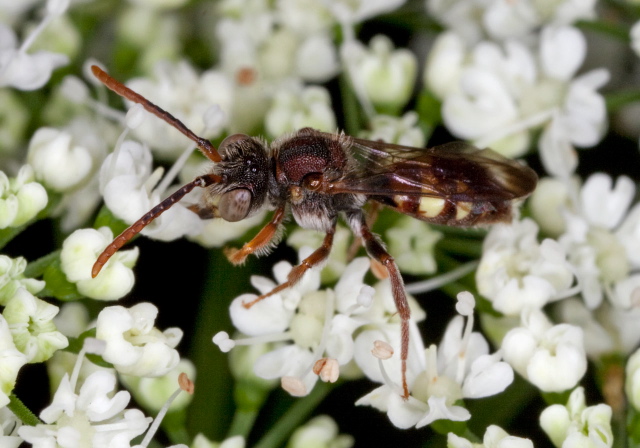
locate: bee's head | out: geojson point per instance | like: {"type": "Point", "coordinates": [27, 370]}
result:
{"type": "Point", "coordinates": [244, 170]}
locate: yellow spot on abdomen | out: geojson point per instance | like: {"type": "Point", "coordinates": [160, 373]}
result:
{"type": "Point", "coordinates": [431, 207]}
{"type": "Point", "coordinates": [463, 209]}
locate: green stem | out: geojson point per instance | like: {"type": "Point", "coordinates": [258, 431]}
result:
{"type": "Point", "coordinates": [615, 101]}
{"type": "Point", "coordinates": [22, 412]}
{"type": "Point", "coordinates": [350, 106]}
{"type": "Point", "coordinates": [298, 413]}
{"type": "Point", "coordinates": [243, 421]}
{"type": "Point", "coordinates": [461, 246]}
{"type": "Point", "coordinates": [36, 268]}
{"type": "Point", "coordinates": [214, 393]}
{"type": "Point", "coordinates": [608, 28]}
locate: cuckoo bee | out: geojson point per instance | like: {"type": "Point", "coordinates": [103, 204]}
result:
{"type": "Point", "coordinates": [317, 176]}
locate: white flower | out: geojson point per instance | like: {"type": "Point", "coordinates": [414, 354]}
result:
{"type": "Point", "coordinates": [516, 272]}
{"type": "Point", "coordinates": [25, 71]}
{"type": "Point", "coordinates": [60, 163]}
{"type": "Point", "coordinates": [21, 198]}
{"type": "Point", "coordinates": [610, 329]}
{"type": "Point", "coordinates": [494, 437]}
{"type": "Point", "coordinates": [133, 345]}
{"type": "Point", "coordinates": [635, 37]}
{"type": "Point", "coordinates": [398, 130]}
{"type": "Point", "coordinates": [412, 243]}
{"type": "Point", "coordinates": [438, 377]}
{"type": "Point", "coordinates": [93, 417]}
{"type": "Point", "coordinates": [317, 59]}
{"type": "Point", "coordinates": [296, 107]}
{"type": "Point", "coordinates": [600, 235]}
{"type": "Point", "coordinates": [126, 184]}
{"type": "Point", "coordinates": [305, 17]}
{"type": "Point", "coordinates": [153, 392]}
{"type": "Point", "coordinates": [444, 65]}
{"type": "Point", "coordinates": [576, 425]}
{"type": "Point", "coordinates": [547, 203]}
{"type": "Point", "coordinates": [319, 324]}
{"type": "Point", "coordinates": [475, 19]}
{"type": "Point", "coordinates": [497, 94]}
{"type": "Point", "coordinates": [551, 357]}
{"type": "Point", "coordinates": [9, 425]}
{"type": "Point", "coordinates": [352, 12]}
{"type": "Point", "coordinates": [80, 251]}
{"type": "Point", "coordinates": [11, 278]}
{"type": "Point", "coordinates": [30, 320]}
{"type": "Point", "coordinates": [319, 432]}
{"type": "Point", "coordinates": [384, 76]}
{"type": "Point", "coordinates": [632, 379]}
{"type": "Point", "coordinates": [188, 95]}
{"type": "Point", "coordinates": [11, 360]}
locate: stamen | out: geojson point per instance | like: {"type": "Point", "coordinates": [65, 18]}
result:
{"type": "Point", "coordinates": [55, 8]}
{"type": "Point", "coordinates": [466, 303]}
{"type": "Point", "coordinates": [441, 280]}
{"type": "Point", "coordinates": [464, 345]}
{"type": "Point", "coordinates": [89, 345]}
{"type": "Point", "coordinates": [382, 350]}
{"type": "Point", "coordinates": [385, 377]}
{"type": "Point", "coordinates": [182, 380]}
{"type": "Point", "coordinates": [225, 343]}
{"type": "Point", "coordinates": [296, 382]}
{"type": "Point", "coordinates": [185, 383]}
{"type": "Point", "coordinates": [327, 369]}
{"type": "Point", "coordinates": [293, 385]}
{"type": "Point", "coordinates": [153, 179]}
{"type": "Point", "coordinates": [364, 299]}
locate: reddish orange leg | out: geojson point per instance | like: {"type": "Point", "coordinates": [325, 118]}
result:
{"type": "Point", "coordinates": [316, 258]}
{"type": "Point", "coordinates": [259, 242]}
{"type": "Point", "coordinates": [203, 144]}
{"type": "Point", "coordinates": [378, 253]}
{"type": "Point", "coordinates": [136, 227]}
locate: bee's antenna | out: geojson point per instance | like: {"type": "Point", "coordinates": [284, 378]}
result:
{"type": "Point", "coordinates": [203, 144]}
{"type": "Point", "coordinates": [136, 227]}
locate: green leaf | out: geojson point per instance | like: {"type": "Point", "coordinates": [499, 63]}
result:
{"type": "Point", "coordinates": [428, 108]}
{"type": "Point", "coordinates": [108, 219]}
{"type": "Point", "coordinates": [57, 284]}
{"type": "Point", "coordinates": [37, 267]}
{"type": "Point", "coordinates": [446, 426]}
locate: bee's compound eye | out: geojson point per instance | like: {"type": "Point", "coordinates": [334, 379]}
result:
{"type": "Point", "coordinates": [231, 140]}
{"type": "Point", "coordinates": [234, 205]}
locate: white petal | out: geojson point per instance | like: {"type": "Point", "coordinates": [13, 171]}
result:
{"type": "Point", "coordinates": [265, 317]}
{"type": "Point", "coordinates": [405, 413]}
{"type": "Point", "coordinates": [487, 377]}
{"type": "Point", "coordinates": [562, 51]}
{"type": "Point", "coordinates": [603, 205]}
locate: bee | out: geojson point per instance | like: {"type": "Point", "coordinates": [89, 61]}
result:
{"type": "Point", "coordinates": [317, 177]}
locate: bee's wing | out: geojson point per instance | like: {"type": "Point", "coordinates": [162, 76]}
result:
{"type": "Point", "coordinates": [453, 184]}
{"type": "Point", "coordinates": [456, 171]}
